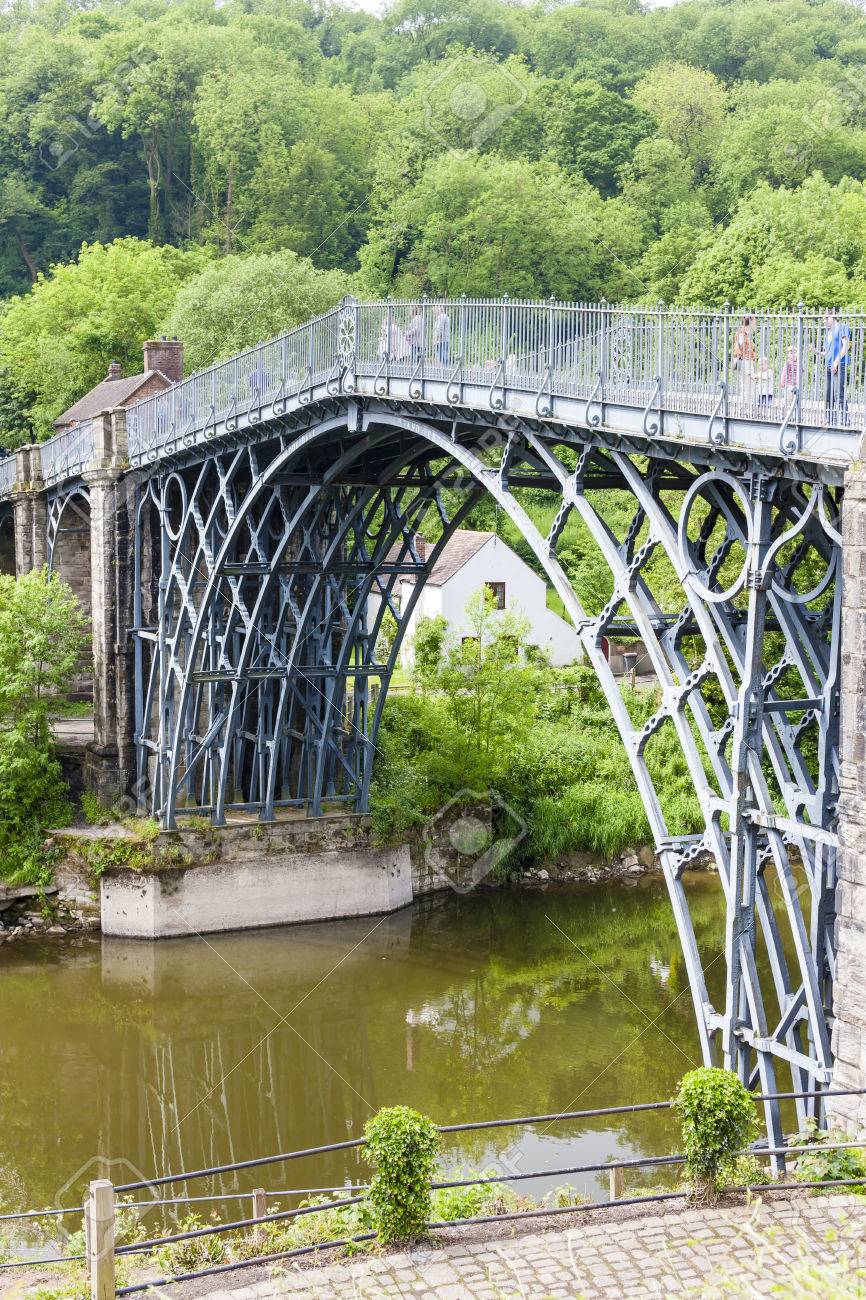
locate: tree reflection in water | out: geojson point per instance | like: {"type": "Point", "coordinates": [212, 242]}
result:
{"type": "Point", "coordinates": [190, 1053]}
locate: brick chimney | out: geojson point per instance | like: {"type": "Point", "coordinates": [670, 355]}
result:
{"type": "Point", "coordinates": [115, 370]}
{"type": "Point", "coordinates": [420, 546]}
{"type": "Point", "coordinates": [165, 355]}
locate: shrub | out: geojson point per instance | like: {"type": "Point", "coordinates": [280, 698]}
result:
{"type": "Point", "coordinates": [469, 1202]}
{"type": "Point", "coordinates": [195, 1253]}
{"type": "Point", "coordinates": [91, 809]}
{"type": "Point", "coordinates": [332, 1223]}
{"type": "Point", "coordinates": [718, 1119]}
{"type": "Point", "coordinates": [402, 1145]}
{"type": "Point", "coordinates": [41, 631]}
{"type": "Point", "coordinates": [743, 1171]}
{"type": "Point", "coordinates": [819, 1164]}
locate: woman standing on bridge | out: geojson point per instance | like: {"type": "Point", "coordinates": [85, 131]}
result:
{"type": "Point", "coordinates": [744, 357]}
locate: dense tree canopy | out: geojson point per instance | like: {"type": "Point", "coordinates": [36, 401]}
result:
{"type": "Point", "coordinates": [708, 150]}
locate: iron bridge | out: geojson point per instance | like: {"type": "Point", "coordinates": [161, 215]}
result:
{"type": "Point", "coordinates": [278, 491]}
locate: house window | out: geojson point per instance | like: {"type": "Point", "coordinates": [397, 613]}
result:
{"type": "Point", "coordinates": [497, 590]}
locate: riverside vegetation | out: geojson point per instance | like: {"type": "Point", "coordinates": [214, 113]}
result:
{"type": "Point", "coordinates": [403, 1146]}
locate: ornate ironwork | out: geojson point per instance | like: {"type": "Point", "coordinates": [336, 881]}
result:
{"type": "Point", "coordinates": [281, 498]}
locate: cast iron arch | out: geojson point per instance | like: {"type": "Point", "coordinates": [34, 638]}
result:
{"type": "Point", "coordinates": [256, 566]}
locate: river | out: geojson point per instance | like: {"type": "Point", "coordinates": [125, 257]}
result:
{"type": "Point", "coordinates": [134, 1059]}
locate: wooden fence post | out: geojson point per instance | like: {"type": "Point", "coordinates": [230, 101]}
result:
{"type": "Point", "coordinates": [99, 1212]}
{"type": "Point", "coordinates": [260, 1207]}
{"type": "Point", "coordinates": [617, 1183]}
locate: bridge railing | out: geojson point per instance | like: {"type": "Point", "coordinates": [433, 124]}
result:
{"type": "Point", "coordinates": [67, 454]}
{"type": "Point", "coordinates": [101, 1206]}
{"type": "Point", "coordinates": [234, 389]}
{"type": "Point", "coordinates": [766, 367]}
{"type": "Point", "coordinates": [769, 366]}
{"type": "Point", "coordinates": [8, 474]}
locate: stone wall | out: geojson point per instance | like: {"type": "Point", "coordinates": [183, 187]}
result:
{"type": "Point", "coordinates": [849, 1000]}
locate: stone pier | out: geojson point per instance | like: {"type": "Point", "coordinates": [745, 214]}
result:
{"type": "Point", "coordinates": [93, 553]}
{"type": "Point", "coordinates": [849, 1000]}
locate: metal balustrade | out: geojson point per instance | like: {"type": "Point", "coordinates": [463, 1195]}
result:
{"type": "Point", "coordinates": [7, 474]}
{"type": "Point", "coordinates": [765, 369]}
{"type": "Point", "coordinates": [67, 454]}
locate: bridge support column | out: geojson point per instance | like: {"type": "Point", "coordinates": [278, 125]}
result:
{"type": "Point", "coordinates": [849, 996]}
{"type": "Point", "coordinates": [30, 504]}
{"type": "Point", "coordinates": [109, 760]}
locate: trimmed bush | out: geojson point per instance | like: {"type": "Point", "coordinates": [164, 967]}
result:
{"type": "Point", "coordinates": [402, 1145]}
{"type": "Point", "coordinates": [718, 1119]}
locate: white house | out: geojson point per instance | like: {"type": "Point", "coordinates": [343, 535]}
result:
{"type": "Point", "coordinates": [472, 560]}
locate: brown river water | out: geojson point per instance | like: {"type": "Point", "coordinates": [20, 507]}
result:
{"type": "Point", "coordinates": [128, 1059]}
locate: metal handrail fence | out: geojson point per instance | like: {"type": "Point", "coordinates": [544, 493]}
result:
{"type": "Point", "coordinates": [764, 367]}
{"type": "Point", "coordinates": [8, 474]}
{"type": "Point", "coordinates": [614, 1167]}
{"type": "Point", "coordinates": [67, 454]}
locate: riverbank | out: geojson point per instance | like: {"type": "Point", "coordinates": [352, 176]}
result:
{"type": "Point", "coordinates": [741, 1250]}
{"type": "Point", "coordinates": [129, 880]}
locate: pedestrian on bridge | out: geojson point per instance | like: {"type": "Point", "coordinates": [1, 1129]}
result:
{"type": "Point", "coordinates": [744, 356]}
{"type": "Point", "coordinates": [837, 349]}
{"type": "Point", "coordinates": [442, 334]}
{"type": "Point", "coordinates": [415, 335]}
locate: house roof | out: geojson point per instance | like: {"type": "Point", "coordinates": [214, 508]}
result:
{"type": "Point", "coordinates": [458, 550]}
{"type": "Point", "coordinates": [106, 395]}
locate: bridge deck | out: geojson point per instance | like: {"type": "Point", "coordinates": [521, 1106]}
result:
{"type": "Point", "coordinates": [635, 372]}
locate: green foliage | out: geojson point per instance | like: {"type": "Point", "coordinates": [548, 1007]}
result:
{"type": "Point", "coordinates": [744, 1171]}
{"type": "Point", "coordinates": [474, 222]}
{"type": "Point", "coordinates": [571, 149]}
{"type": "Point", "coordinates": [242, 300]}
{"type": "Point", "coordinates": [57, 340]}
{"type": "Point", "coordinates": [469, 1202]}
{"type": "Point", "coordinates": [402, 1145]}
{"type": "Point", "coordinates": [718, 1118]}
{"type": "Point", "coordinates": [492, 716]}
{"type": "Point", "coordinates": [427, 646]}
{"type": "Point", "coordinates": [819, 1164]}
{"type": "Point", "coordinates": [140, 850]}
{"type": "Point", "coordinates": [487, 683]}
{"type": "Point", "coordinates": [196, 1253]}
{"type": "Point", "coordinates": [41, 637]}
{"type": "Point", "coordinates": [328, 1224]}
{"type": "Point", "coordinates": [91, 808]}
{"type": "Point", "coordinates": [783, 244]}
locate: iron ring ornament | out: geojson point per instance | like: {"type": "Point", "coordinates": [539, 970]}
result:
{"type": "Point", "coordinates": [815, 506]}
{"type": "Point", "coordinates": [686, 549]}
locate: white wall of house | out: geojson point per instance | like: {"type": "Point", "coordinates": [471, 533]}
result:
{"type": "Point", "coordinates": [525, 593]}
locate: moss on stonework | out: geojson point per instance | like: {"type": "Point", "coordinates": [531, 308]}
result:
{"type": "Point", "coordinates": [143, 852]}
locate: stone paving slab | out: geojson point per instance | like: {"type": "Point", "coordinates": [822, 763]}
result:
{"type": "Point", "coordinates": [744, 1251]}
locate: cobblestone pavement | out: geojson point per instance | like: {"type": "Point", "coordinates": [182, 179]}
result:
{"type": "Point", "coordinates": [743, 1251]}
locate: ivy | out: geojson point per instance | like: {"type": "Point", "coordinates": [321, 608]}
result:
{"type": "Point", "coordinates": [718, 1119]}
{"type": "Point", "coordinates": [402, 1145]}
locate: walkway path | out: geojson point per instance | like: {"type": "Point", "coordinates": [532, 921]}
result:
{"type": "Point", "coordinates": [743, 1251]}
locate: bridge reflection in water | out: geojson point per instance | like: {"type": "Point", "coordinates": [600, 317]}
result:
{"type": "Point", "coordinates": [273, 494]}
{"type": "Point", "coordinates": [468, 1008]}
